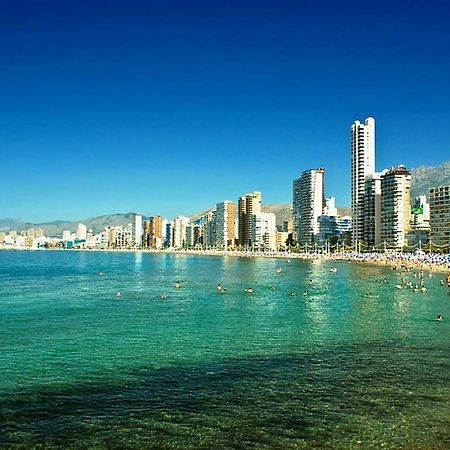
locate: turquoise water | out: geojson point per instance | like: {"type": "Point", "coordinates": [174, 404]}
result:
{"type": "Point", "coordinates": [355, 363]}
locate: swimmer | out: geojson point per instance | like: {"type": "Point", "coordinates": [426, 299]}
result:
{"type": "Point", "coordinates": [100, 274]}
{"type": "Point", "coordinates": [249, 290]}
{"type": "Point", "coordinates": [334, 270]}
{"type": "Point", "coordinates": [164, 296]}
{"type": "Point", "coordinates": [423, 289]}
{"type": "Point", "coordinates": [218, 287]}
{"type": "Point", "coordinates": [118, 294]}
{"type": "Point", "coordinates": [442, 282]}
{"type": "Point", "coordinates": [177, 285]}
{"type": "Point", "coordinates": [439, 318]}
{"type": "Point", "coordinates": [279, 270]}
{"type": "Point", "coordinates": [305, 293]}
{"type": "Point", "coordinates": [292, 294]}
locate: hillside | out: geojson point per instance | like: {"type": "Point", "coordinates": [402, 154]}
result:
{"type": "Point", "coordinates": [424, 178]}
{"type": "Point", "coordinates": [96, 224]}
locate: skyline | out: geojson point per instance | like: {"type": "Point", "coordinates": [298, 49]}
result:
{"type": "Point", "coordinates": [167, 110]}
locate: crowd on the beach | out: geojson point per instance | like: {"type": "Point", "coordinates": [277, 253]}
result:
{"type": "Point", "coordinates": [429, 261]}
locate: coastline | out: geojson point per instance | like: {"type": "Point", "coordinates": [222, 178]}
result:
{"type": "Point", "coordinates": [429, 262]}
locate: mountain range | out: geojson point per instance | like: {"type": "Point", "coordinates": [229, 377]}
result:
{"type": "Point", "coordinates": [422, 179]}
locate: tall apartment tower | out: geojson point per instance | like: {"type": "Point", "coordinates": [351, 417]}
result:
{"type": "Point", "coordinates": [363, 166]}
{"type": "Point", "coordinates": [138, 230]}
{"type": "Point", "coordinates": [440, 216]}
{"type": "Point", "coordinates": [153, 232]}
{"type": "Point", "coordinates": [395, 206]}
{"type": "Point", "coordinates": [248, 206]}
{"type": "Point", "coordinates": [372, 209]}
{"type": "Point", "coordinates": [308, 204]}
{"type": "Point", "coordinates": [224, 235]}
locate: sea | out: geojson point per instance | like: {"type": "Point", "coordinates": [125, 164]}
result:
{"type": "Point", "coordinates": [102, 350]}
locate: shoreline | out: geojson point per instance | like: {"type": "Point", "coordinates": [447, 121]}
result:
{"type": "Point", "coordinates": [430, 262]}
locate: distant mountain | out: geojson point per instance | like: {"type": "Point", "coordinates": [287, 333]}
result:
{"type": "Point", "coordinates": [55, 228]}
{"type": "Point", "coordinates": [424, 178]}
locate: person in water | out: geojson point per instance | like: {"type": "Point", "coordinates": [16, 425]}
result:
{"type": "Point", "coordinates": [249, 290]}
{"type": "Point", "coordinates": [440, 317]}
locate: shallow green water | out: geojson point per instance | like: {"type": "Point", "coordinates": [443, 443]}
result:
{"type": "Point", "coordinates": [355, 363]}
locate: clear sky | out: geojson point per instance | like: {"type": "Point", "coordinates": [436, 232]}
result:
{"type": "Point", "coordinates": [169, 107]}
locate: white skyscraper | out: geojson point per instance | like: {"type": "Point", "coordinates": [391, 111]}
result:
{"type": "Point", "coordinates": [138, 230]}
{"type": "Point", "coordinates": [81, 231]}
{"type": "Point", "coordinates": [308, 204]}
{"type": "Point", "coordinates": [363, 166]}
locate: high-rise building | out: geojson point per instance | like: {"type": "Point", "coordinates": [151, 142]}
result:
{"type": "Point", "coordinates": [372, 209]}
{"type": "Point", "coordinates": [169, 242]}
{"type": "Point", "coordinates": [210, 228]}
{"type": "Point", "coordinates": [146, 236]}
{"type": "Point", "coordinates": [81, 232]}
{"type": "Point", "coordinates": [395, 206]}
{"type": "Point", "coordinates": [241, 213]}
{"type": "Point", "coordinates": [248, 205]}
{"type": "Point", "coordinates": [440, 217]}
{"type": "Point", "coordinates": [138, 230]}
{"type": "Point", "coordinates": [224, 224]}
{"type": "Point", "coordinates": [308, 203]}
{"type": "Point", "coordinates": [363, 166]}
{"type": "Point", "coordinates": [263, 229]}
{"type": "Point", "coordinates": [153, 232]}
{"type": "Point", "coordinates": [179, 231]}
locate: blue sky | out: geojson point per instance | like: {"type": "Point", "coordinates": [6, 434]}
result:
{"type": "Point", "coordinates": [169, 107]}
